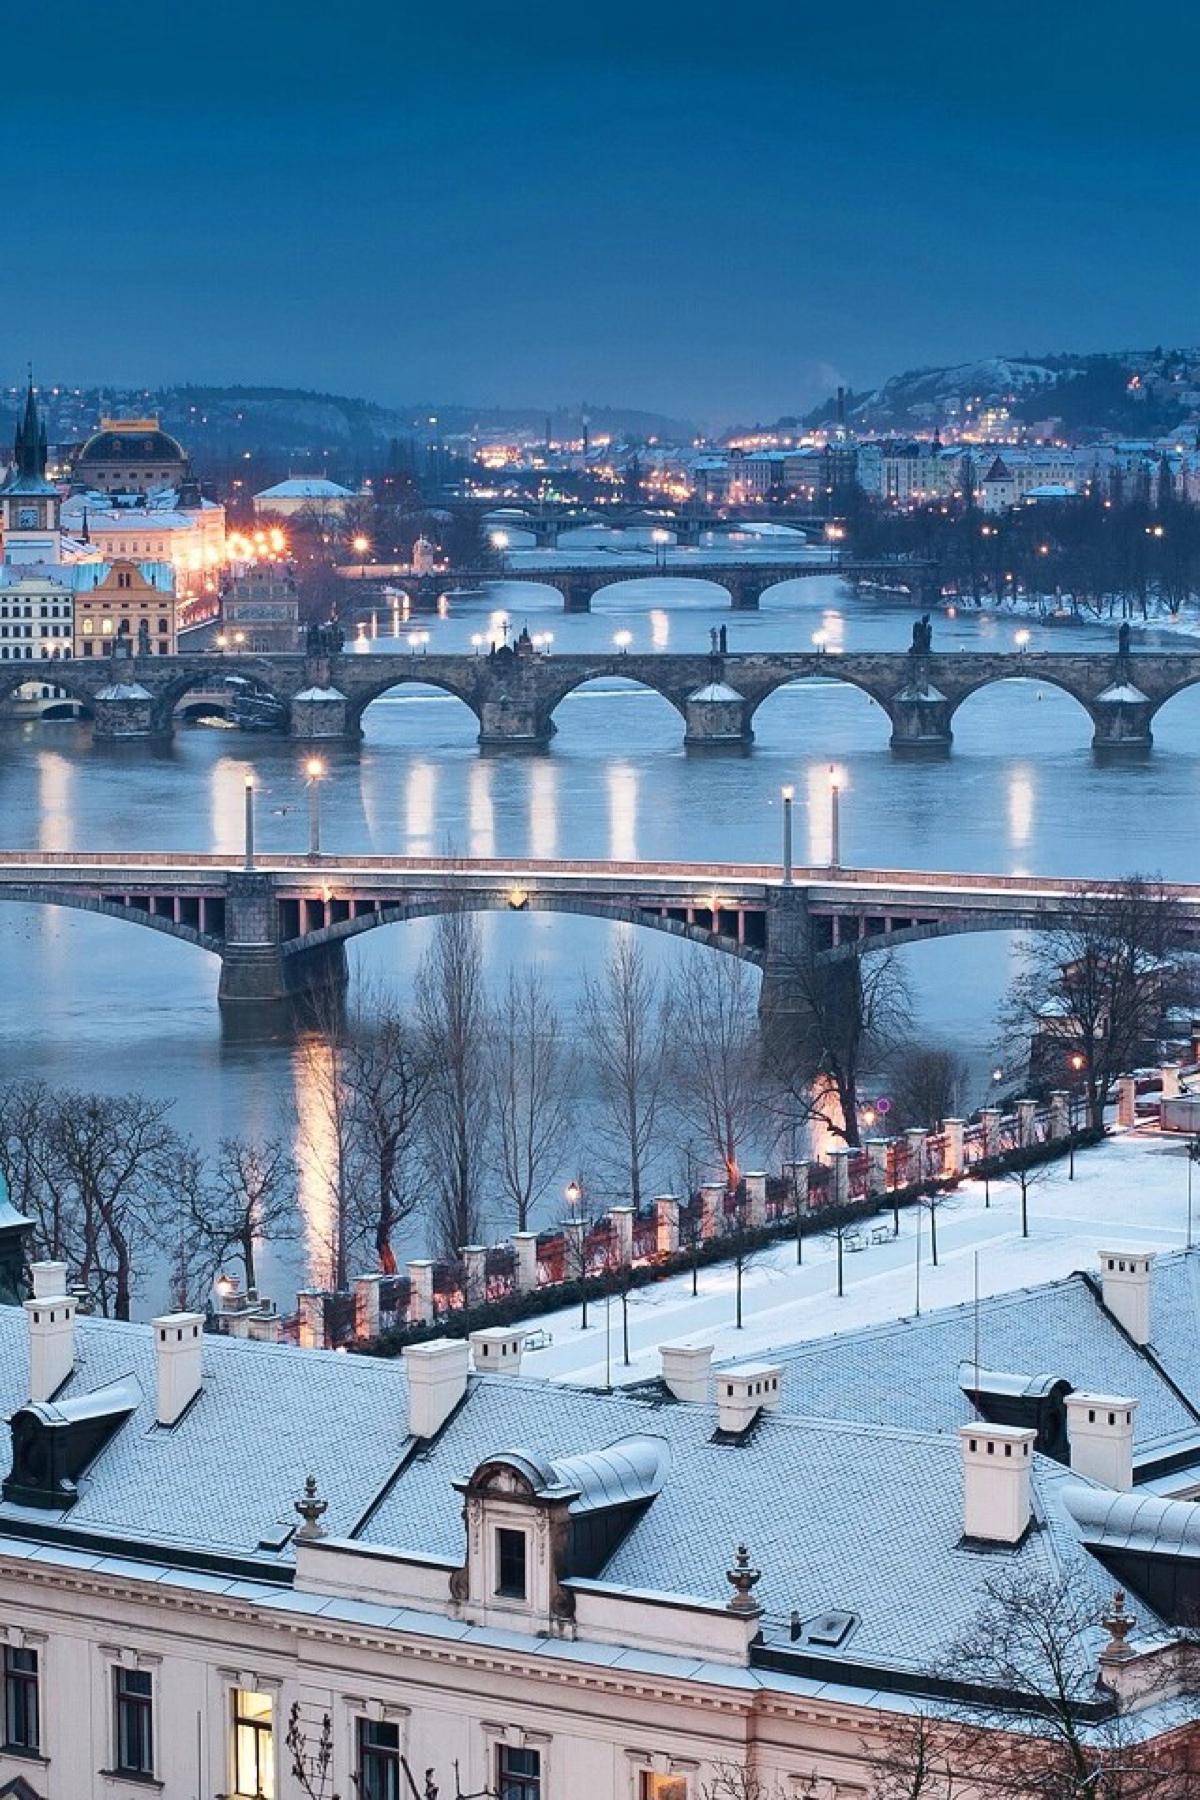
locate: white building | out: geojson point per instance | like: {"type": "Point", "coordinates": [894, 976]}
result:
{"type": "Point", "coordinates": [570, 1595]}
{"type": "Point", "coordinates": [304, 494]}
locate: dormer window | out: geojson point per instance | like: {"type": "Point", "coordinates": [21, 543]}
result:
{"type": "Point", "coordinates": [510, 1564]}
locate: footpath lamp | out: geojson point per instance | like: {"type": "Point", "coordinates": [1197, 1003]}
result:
{"type": "Point", "coordinates": [660, 539]}
{"type": "Point", "coordinates": [314, 768]}
{"type": "Point", "coordinates": [249, 821]}
{"type": "Point", "coordinates": [360, 547]}
{"type": "Point", "coordinates": [1077, 1063]}
{"type": "Point", "coordinates": [788, 796]}
{"type": "Point", "coordinates": [835, 823]}
{"type": "Point", "coordinates": [574, 1194]}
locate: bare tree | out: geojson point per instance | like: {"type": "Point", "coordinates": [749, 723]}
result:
{"type": "Point", "coordinates": [1037, 1732]}
{"type": "Point", "coordinates": [26, 1116]}
{"type": "Point", "coordinates": [389, 1073]}
{"type": "Point", "coordinates": [248, 1198]}
{"type": "Point", "coordinates": [927, 1083]}
{"type": "Point", "coordinates": [1098, 981]}
{"type": "Point", "coordinates": [626, 1017]}
{"type": "Point", "coordinates": [532, 1071]}
{"type": "Point", "coordinates": [842, 1018]}
{"type": "Point", "coordinates": [918, 1758]}
{"type": "Point", "coordinates": [452, 1013]}
{"type": "Point", "coordinates": [717, 1065]}
{"type": "Point", "coordinates": [1025, 1175]}
{"type": "Point", "coordinates": [738, 1780]}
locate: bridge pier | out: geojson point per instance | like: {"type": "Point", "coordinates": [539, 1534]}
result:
{"type": "Point", "coordinates": [1121, 715]}
{"type": "Point", "coordinates": [321, 712]}
{"type": "Point", "coordinates": [577, 592]}
{"type": "Point", "coordinates": [745, 592]}
{"type": "Point", "coordinates": [123, 710]}
{"type": "Point", "coordinates": [514, 721]}
{"type": "Point", "coordinates": [254, 970]}
{"type": "Point", "coordinates": [717, 719]}
{"type": "Point", "coordinates": [920, 715]}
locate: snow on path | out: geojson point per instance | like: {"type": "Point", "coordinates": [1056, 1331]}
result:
{"type": "Point", "coordinates": [1130, 1191]}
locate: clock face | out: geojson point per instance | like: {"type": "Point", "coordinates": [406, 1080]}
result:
{"type": "Point", "coordinates": [27, 518]}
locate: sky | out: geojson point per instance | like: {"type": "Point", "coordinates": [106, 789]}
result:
{"type": "Point", "coordinates": [713, 211]}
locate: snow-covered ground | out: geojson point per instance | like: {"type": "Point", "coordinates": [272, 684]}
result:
{"type": "Point", "coordinates": [1130, 1191]}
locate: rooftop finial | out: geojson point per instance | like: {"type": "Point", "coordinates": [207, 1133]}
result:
{"type": "Point", "coordinates": [1118, 1623]}
{"type": "Point", "coordinates": [742, 1578]}
{"type": "Point", "coordinates": [311, 1510]}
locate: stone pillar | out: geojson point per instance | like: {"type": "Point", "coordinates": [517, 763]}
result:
{"type": "Point", "coordinates": [839, 1162]}
{"type": "Point", "coordinates": [877, 1149]}
{"type": "Point", "coordinates": [622, 1218]}
{"type": "Point", "coordinates": [574, 1234]}
{"type": "Point", "coordinates": [474, 1273]}
{"type": "Point", "coordinates": [666, 1223]}
{"type": "Point", "coordinates": [1060, 1113]}
{"type": "Point", "coordinates": [125, 709]}
{"type": "Point", "coordinates": [716, 718]}
{"type": "Point", "coordinates": [366, 1305]}
{"type": "Point", "coordinates": [1126, 1101]}
{"type": "Point", "coordinates": [1121, 715]}
{"type": "Point", "coordinates": [512, 719]}
{"type": "Point", "coordinates": [989, 1142]}
{"type": "Point", "coordinates": [1026, 1122]}
{"type": "Point", "coordinates": [915, 1139]}
{"type": "Point", "coordinates": [310, 1306]}
{"type": "Point", "coordinates": [524, 1244]}
{"type": "Point", "coordinates": [319, 713]}
{"type": "Point", "coordinates": [712, 1208]}
{"type": "Point", "coordinates": [756, 1200]}
{"type": "Point", "coordinates": [253, 968]}
{"type": "Point", "coordinates": [952, 1153]}
{"type": "Point", "coordinates": [420, 1292]}
{"type": "Point", "coordinates": [1170, 1080]}
{"type": "Point", "coordinates": [745, 591]}
{"type": "Point", "coordinates": [577, 591]}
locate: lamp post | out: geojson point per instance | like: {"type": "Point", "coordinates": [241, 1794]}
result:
{"type": "Point", "coordinates": [622, 640]}
{"type": "Point", "coordinates": [835, 824]}
{"type": "Point", "coordinates": [361, 546]}
{"type": "Point", "coordinates": [574, 1194]}
{"type": "Point", "coordinates": [314, 768]}
{"type": "Point", "coordinates": [1077, 1062]}
{"type": "Point", "coordinates": [249, 821]}
{"type": "Point", "coordinates": [660, 539]}
{"type": "Point", "coordinates": [788, 794]}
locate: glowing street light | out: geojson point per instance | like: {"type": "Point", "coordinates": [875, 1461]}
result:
{"type": "Point", "coordinates": [249, 859]}
{"type": "Point", "coordinates": [314, 768]}
{"type": "Point", "coordinates": [1021, 639]}
{"type": "Point", "coordinates": [477, 641]}
{"type": "Point", "coordinates": [835, 831]}
{"type": "Point", "coordinates": [819, 639]}
{"type": "Point", "coordinates": [623, 639]}
{"type": "Point", "coordinates": [788, 796]}
{"type": "Point", "coordinates": [660, 540]}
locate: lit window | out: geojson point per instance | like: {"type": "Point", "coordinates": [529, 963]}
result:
{"type": "Point", "coordinates": [253, 1746]}
{"type": "Point", "coordinates": [510, 1563]}
{"type": "Point", "coordinates": [106, 627]}
{"type": "Point", "coordinates": [663, 1787]}
{"type": "Point", "coordinates": [22, 1730]}
{"type": "Point", "coordinates": [518, 1773]}
{"type": "Point", "coordinates": [135, 1721]}
{"type": "Point", "coordinates": [378, 1761]}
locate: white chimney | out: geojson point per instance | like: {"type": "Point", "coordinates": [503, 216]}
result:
{"type": "Point", "coordinates": [996, 1464]}
{"type": "Point", "coordinates": [437, 1380]}
{"type": "Point", "coordinates": [1100, 1428]}
{"type": "Point", "coordinates": [1125, 1275]}
{"type": "Point", "coordinates": [686, 1368]}
{"type": "Point", "coordinates": [49, 1279]}
{"type": "Point", "coordinates": [744, 1392]}
{"type": "Point", "coordinates": [51, 1338]}
{"type": "Point", "coordinates": [178, 1363]}
{"type": "Point", "coordinates": [496, 1350]}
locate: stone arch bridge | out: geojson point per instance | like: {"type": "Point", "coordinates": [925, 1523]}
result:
{"type": "Point", "coordinates": [514, 697]}
{"type": "Point", "coordinates": [280, 925]}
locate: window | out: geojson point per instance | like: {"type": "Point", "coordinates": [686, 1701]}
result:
{"type": "Point", "coordinates": [378, 1760]}
{"type": "Point", "coordinates": [253, 1746]}
{"type": "Point", "coordinates": [518, 1773]}
{"type": "Point", "coordinates": [662, 1787]}
{"type": "Point", "coordinates": [123, 580]}
{"type": "Point", "coordinates": [135, 1721]}
{"type": "Point", "coordinates": [510, 1563]}
{"type": "Point", "coordinates": [21, 1724]}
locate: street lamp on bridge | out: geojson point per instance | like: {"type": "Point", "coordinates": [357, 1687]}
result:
{"type": "Point", "coordinates": [788, 795]}
{"type": "Point", "coordinates": [249, 821]}
{"type": "Point", "coordinates": [314, 768]}
{"type": "Point", "coordinates": [835, 824]}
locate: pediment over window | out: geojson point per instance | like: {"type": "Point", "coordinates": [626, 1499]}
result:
{"type": "Point", "coordinates": [19, 1789]}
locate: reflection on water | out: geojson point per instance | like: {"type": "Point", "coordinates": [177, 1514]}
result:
{"type": "Point", "coordinates": [318, 1126]}
{"type": "Point", "coordinates": [87, 1001]}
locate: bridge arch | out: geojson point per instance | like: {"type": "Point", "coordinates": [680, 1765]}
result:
{"type": "Point", "coordinates": [650, 576]}
{"type": "Point", "coordinates": [113, 909]}
{"type": "Point", "coordinates": [75, 678]}
{"type": "Point", "coordinates": [630, 683]}
{"type": "Point", "coordinates": [362, 698]}
{"type": "Point", "coordinates": [1180, 687]}
{"type": "Point", "coordinates": [940, 928]}
{"type": "Point", "coordinates": [258, 671]}
{"type": "Point", "coordinates": [1030, 678]}
{"type": "Point", "coordinates": [835, 675]}
{"type": "Point", "coordinates": [611, 912]}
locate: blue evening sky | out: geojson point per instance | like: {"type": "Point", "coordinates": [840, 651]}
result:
{"type": "Point", "coordinates": [712, 209]}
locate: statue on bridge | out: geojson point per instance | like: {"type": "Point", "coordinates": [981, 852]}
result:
{"type": "Point", "coordinates": [1123, 640]}
{"type": "Point", "coordinates": [922, 636]}
{"type": "Point", "coordinates": [324, 640]}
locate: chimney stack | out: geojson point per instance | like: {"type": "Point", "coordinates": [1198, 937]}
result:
{"type": "Point", "coordinates": [437, 1380]}
{"type": "Point", "coordinates": [686, 1368]}
{"type": "Point", "coordinates": [1125, 1275]}
{"type": "Point", "coordinates": [178, 1363]}
{"type": "Point", "coordinates": [996, 1465]}
{"type": "Point", "coordinates": [496, 1350]}
{"type": "Point", "coordinates": [51, 1315]}
{"type": "Point", "coordinates": [744, 1392]}
{"type": "Point", "coordinates": [1100, 1428]}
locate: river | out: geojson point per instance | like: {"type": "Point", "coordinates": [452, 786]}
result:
{"type": "Point", "coordinates": [87, 1002]}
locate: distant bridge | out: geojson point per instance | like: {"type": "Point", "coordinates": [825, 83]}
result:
{"type": "Point", "coordinates": [280, 923]}
{"type": "Point", "coordinates": [686, 524]}
{"type": "Point", "coordinates": [515, 697]}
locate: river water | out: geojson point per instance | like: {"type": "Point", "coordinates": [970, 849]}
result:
{"type": "Point", "coordinates": [91, 1002]}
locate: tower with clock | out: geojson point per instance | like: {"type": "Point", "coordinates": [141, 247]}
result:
{"type": "Point", "coordinates": [29, 504]}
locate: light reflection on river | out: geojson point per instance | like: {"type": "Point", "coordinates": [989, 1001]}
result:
{"type": "Point", "coordinates": [91, 1002]}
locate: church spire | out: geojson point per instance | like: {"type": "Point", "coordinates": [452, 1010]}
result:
{"type": "Point", "coordinates": [29, 445]}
